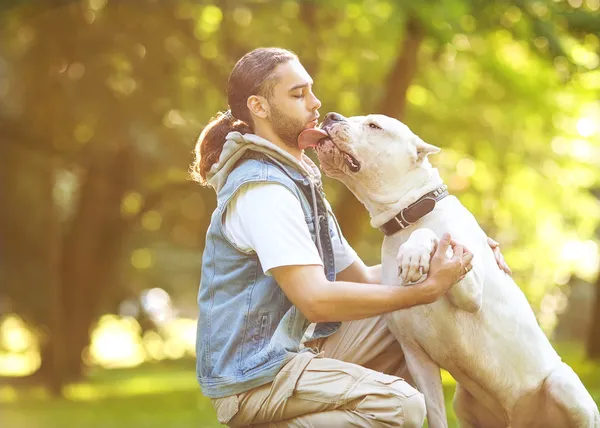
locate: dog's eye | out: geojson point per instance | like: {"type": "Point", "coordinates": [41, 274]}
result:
{"type": "Point", "coordinates": [374, 126]}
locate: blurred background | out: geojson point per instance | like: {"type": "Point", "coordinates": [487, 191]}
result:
{"type": "Point", "coordinates": [102, 232]}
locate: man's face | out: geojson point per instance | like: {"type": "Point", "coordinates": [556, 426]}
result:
{"type": "Point", "coordinates": [293, 106]}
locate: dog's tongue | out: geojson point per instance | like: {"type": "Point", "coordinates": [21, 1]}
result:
{"type": "Point", "coordinates": [310, 137]}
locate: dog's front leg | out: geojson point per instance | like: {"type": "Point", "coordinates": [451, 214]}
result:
{"type": "Point", "coordinates": [425, 373]}
{"type": "Point", "coordinates": [467, 294]}
{"type": "Point", "coordinates": [413, 260]}
{"type": "Point", "coordinates": [415, 254]}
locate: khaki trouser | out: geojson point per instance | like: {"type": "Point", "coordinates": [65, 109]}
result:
{"type": "Point", "coordinates": [349, 384]}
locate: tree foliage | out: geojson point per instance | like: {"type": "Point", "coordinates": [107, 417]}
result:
{"type": "Point", "coordinates": [101, 102]}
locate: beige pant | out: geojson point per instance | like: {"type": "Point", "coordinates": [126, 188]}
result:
{"type": "Point", "coordinates": [346, 385]}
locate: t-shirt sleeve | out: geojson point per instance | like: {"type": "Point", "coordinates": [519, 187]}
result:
{"type": "Point", "coordinates": [268, 219]}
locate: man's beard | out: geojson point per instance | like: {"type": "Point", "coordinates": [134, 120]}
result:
{"type": "Point", "coordinates": [286, 127]}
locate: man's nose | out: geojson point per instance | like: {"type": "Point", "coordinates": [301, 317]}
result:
{"type": "Point", "coordinates": [333, 117]}
{"type": "Point", "coordinates": [316, 103]}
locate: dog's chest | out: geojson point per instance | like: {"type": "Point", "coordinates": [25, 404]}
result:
{"type": "Point", "coordinates": [389, 253]}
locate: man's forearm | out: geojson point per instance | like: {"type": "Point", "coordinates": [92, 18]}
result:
{"type": "Point", "coordinates": [346, 301]}
{"type": "Point", "coordinates": [359, 272]}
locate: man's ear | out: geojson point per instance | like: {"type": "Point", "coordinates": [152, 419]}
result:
{"type": "Point", "coordinates": [424, 149]}
{"type": "Point", "coordinates": [258, 106]}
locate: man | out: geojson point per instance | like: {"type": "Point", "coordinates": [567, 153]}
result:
{"type": "Point", "coordinates": [275, 261]}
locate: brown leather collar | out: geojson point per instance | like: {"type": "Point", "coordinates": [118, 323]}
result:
{"type": "Point", "coordinates": [415, 211]}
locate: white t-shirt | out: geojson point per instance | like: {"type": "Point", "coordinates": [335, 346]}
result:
{"type": "Point", "coordinates": [268, 219]}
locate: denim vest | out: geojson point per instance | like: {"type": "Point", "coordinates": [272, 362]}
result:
{"type": "Point", "coordinates": [247, 328]}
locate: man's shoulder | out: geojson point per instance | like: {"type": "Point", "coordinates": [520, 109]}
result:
{"type": "Point", "coordinates": [266, 192]}
{"type": "Point", "coordinates": [252, 168]}
{"type": "Point", "coordinates": [258, 169]}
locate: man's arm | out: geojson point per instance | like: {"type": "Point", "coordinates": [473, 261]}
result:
{"type": "Point", "coordinates": [359, 272]}
{"type": "Point", "coordinates": [321, 300]}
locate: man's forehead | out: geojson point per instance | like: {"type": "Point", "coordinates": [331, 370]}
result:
{"type": "Point", "coordinates": [292, 73]}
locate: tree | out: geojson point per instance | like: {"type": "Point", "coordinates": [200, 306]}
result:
{"type": "Point", "coordinates": [80, 119]}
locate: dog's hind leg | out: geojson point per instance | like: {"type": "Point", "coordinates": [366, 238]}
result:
{"type": "Point", "coordinates": [426, 375]}
{"type": "Point", "coordinates": [561, 402]}
{"type": "Point", "coordinates": [565, 397]}
{"type": "Point", "coordinates": [472, 414]}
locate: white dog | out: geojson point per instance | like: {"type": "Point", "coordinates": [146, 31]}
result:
{"type": "Point", "coordinates": [483, 331]}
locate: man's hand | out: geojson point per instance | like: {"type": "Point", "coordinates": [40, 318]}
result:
{"type": "Point", "coordinates": [498, 256]}
{"type": "Point", "coordinates": [444, 272]}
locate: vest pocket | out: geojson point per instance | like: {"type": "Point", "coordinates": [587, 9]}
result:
{"type": "Point", "coordinates": [258, 352]}
{"type": "Point", "coordinates": [259, 337]}
{"type": "Point", "coordinates": [264, 330]}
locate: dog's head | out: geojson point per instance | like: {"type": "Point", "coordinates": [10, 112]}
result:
{"type": "Point", "coordinates": [369, 154]}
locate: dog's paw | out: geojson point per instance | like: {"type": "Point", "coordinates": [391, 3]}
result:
{"type": "Point", "coordinates": [413, 262]}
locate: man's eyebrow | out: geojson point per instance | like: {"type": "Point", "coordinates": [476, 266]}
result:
{"type": "Point", "coordinates": [301, 85]}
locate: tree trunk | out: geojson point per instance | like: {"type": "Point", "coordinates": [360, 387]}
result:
{"type": "Point", "coordinates": [78, 271]}
{"type": "Point", "coordinates": [92, 249]}
{"type": "Point", "coordinates": [352, 213]}
{"type": "Point", "coordinates": [593, 343]}
{"type": "Point", "coordinates": [33, 239]}
{"type": "Point", "coordinates": [404, 70]}
{"type": "Point", "coordinates": [308, 16]}
{"type": "Point", "coordinates": [53, 350]}
{"type": "Point", "coordinates": [50, 373]}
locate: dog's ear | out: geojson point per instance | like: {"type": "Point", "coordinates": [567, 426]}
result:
{"type": "Point", "coordinates": [424, 149]}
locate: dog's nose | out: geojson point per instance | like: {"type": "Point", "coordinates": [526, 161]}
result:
{"type": "Point", "coordinates": [333, 117]}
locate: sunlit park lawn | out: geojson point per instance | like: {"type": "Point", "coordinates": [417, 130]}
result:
{"type": "Point", "coordinates": [166, 396]}
{"type": "Point", "coordinates": [160, 395]}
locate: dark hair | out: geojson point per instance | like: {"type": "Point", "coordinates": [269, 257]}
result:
{"type": "Point", "coordinates": [252, 75]}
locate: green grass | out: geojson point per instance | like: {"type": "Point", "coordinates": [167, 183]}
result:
{"type": "Point", "coordinates": [166, 395]}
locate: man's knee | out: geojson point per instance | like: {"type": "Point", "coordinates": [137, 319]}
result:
{"type": "Point", "coordinates": [414, 411]}
{"type": "Point", "coordinates": [401, 406]}
{"type": "Point", "coordinates": [412, 405]}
